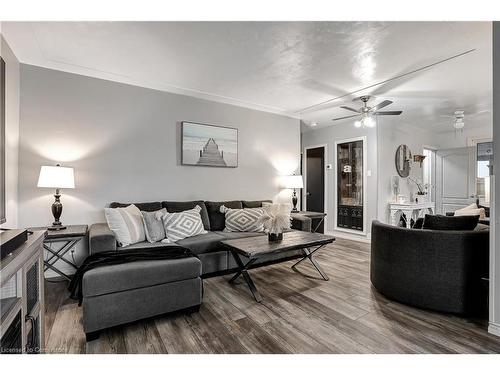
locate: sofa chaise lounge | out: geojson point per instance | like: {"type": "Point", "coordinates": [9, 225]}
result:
{"type": "Point", "coordinates": [118, 294]}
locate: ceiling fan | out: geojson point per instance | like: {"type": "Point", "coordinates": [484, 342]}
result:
{"type": "Point", "coordinates": [367, 113]}
{"type": "Point", "coordinates": [459, 119]}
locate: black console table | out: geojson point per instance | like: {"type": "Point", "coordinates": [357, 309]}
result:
{"type": "Point", "coordinates": [69, 237]}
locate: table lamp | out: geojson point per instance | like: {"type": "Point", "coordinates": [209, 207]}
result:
{"type": "Point", "coordinates": [59, 178]}
{"type": "Point", "coordinates": [293, 182]}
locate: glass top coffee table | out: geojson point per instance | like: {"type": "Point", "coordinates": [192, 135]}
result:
{"type": "Point", "coordinates": [255, 248]}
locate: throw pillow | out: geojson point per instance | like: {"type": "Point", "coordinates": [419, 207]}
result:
{"type": "Point", "coordinates": [275, 208]}
{"type": "Point", "coordinates": [255, 204]}
{"type": "Point", "coordinates": [153, 225]}
{"type": "Point", "coordinates": [472, 206]}
{"type": "Point", "coordinates": [243, 220]}
{"type": "Point", "coordinates": [126, 224]}
{"type": "Point", "coordinates": [418, 223]}
{"type": "Point", "coordinates": [440, 222]}
{"type": "Point", "coordinates": [471, 212]}
{"type": "Point", "coordinates": [481, 227]}
{"type": "Point", "coordinates": [217, 218]}
{"type": "Point", "coordinates": [486, 210]}
{"type": "Point", "coordinates": [179, 225]}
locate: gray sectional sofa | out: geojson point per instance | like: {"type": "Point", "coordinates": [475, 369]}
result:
{"type": "Point", "coordinates": [118, 294]}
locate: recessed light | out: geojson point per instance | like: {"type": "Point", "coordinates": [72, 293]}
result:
{"type": "Point", "coordinates": [313, 124]}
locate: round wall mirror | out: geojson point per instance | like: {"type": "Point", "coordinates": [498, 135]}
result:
{"type": "Point", "coordinates": [403, 158]}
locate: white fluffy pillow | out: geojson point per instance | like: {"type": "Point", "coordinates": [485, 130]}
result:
{"type": "Point", "coordinates": [126, 224]}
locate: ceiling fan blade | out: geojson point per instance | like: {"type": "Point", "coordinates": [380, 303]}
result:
{"type": "Point", "coordinates": [388, 113]}
{"type": "Point", "coordinates": [477, 113]}
{"type": "Point", "coordinates": [350, 109]}
{"type": "Point", "coordinates": [342, 118]}
{"type": "Point", "coordinates": [381, 105]}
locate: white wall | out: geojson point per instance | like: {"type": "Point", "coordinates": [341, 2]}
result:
{"type": "Point", "coordinates": [124, 144]}
{"type": "Point", "coordinates": [339, 132]}
{"type": "Point", "coordinates": [11, 134]}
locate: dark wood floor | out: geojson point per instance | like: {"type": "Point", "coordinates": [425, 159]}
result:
{"type": "Point", "coordinates": [300, 313]}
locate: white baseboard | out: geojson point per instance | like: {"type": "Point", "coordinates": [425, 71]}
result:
{"type": "Point", "coordinates": [347, 236]}
{"type": "Point", "coordinates": [494, 329]}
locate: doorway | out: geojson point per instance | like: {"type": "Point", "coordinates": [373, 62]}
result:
{"type": "Point", "coordinates": [315, 199]}
{"type": "Point", "coordinates": [455, 179]}
{"type": "Point", "coordinates": [429, 172]}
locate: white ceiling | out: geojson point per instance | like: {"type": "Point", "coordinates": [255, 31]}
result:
{"type": "Point", "coordinates": [279, 67]}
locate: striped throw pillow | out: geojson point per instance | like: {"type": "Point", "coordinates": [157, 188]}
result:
{"type": "Point", "coordinates": [179, 225]}
{"type": "Point", "coordinates": [243, 220]}
{"type": "Point", "coordinates": [126, 224]}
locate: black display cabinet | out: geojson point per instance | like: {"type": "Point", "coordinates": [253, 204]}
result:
{"type": "Point", "coordinates": [350, 179]}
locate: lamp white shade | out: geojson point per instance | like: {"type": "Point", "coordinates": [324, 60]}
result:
{"type": "Point", "coordinates": [292, 182]}
{"type": "Point", "coordinates": [56, 177]}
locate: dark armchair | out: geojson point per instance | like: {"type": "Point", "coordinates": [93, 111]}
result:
{"type": "Point", "coordinates": [432, 269]}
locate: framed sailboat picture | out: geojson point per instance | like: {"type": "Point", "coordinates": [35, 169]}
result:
{"type": "Point", "coordinates": [209, 145]}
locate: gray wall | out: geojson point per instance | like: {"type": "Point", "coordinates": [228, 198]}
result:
{"type": "Point", "coordinates": [123, 142]}
{"type": "Point", "coordinates": [382, 143]}
{"type": "Point", "coordinates": [393, 132]}
{"type": "Point", "coordinates": [11, 133]}
{"type": "Point", "coordinates": [329, 135]}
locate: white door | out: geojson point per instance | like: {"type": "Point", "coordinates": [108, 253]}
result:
{"type": "Point", "coordinates": [455, 179]}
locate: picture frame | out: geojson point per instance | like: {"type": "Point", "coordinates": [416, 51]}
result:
{"type": "Point", "coordinates": [207, 145]}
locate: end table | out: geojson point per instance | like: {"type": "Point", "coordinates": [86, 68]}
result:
{"type": "Point", "coordinates": [317, 218]}
{"type": "Point", "coordinates": [69, 237]}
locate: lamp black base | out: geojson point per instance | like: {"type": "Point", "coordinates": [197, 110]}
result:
{"type": "Point", "coordinates": [56, 227]}
{"type": "Point", "coordinates": [294, 201]}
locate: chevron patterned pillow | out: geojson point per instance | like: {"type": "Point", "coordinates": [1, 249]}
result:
{"type": "Point", "coordinates": [243, 220]}
{"type": "Point", "coordinates": [179, 225]}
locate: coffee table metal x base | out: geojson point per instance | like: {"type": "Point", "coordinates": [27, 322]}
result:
{"type": "Point", "coordinates": [309, 255]}
{"type": "Point", "coordinates": [243, 270]}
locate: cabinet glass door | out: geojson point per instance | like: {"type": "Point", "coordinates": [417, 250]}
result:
{"type": "Point", "coordinates": [350, 185]}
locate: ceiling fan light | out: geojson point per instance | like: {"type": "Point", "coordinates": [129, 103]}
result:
{"type": "Point", "coordinates": [357, 124]}
{"type": "Point", "coordinates": [369, 122]}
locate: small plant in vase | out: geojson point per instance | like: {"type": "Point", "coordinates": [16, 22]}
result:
{"type": "Point", "coordinates": [274, 223]}
{"type": "Point", "coordinates": [421, 188]}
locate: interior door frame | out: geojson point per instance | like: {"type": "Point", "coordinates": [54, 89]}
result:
{"type": "Point", "coordinates": [471, 187]}
{"type": "Point", "coordinates": [365, 181]}
{"type": "Point", "coordinates": [433, 187]}
{"type": "Point", "coordinates": [325, 180]}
